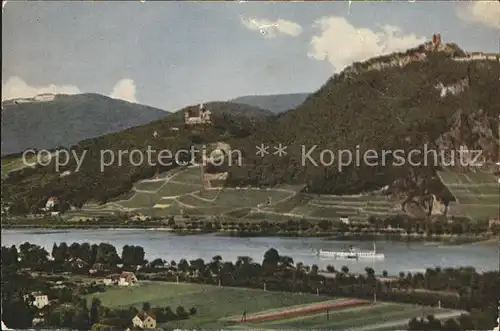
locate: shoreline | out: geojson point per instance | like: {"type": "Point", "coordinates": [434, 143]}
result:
{"type": "Point", "coordinates": [438, 240]}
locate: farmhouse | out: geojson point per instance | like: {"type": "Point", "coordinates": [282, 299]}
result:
{"type": "Point", "coordinates": [40, 299]}
{"type": "Point", "coordinates": [144, 320]}
{"type": "Point", "coordinates": [111, 279]}
{"type": "Point", "coordinates": [127, 279]}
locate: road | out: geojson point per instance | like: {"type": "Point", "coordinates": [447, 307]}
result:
{"type": "Point", "coordinates": [392, 325]}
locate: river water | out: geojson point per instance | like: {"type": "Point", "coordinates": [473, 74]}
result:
{"type": "Point", "coordinates": [408, 257]}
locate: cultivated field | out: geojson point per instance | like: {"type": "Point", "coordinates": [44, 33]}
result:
{"type": "Point", "coordinates": [477, 193]}
{"type": "Point", "coordinates": [222, 307]}
{"type": "Point", "coordinates": [180, 191]}
{"type": "Point", "coordinates": [355, 207]}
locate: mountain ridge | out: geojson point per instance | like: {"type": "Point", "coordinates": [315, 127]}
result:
{"type": "Point", "coordinates": [277, 103]}
{"type": "Point", "coordinates": [68, 119]}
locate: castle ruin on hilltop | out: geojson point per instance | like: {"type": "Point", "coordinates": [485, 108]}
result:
{"type": "Point", "coordinates": [202, 116]}
{"type": "Point", "coordinates": [418, 54]}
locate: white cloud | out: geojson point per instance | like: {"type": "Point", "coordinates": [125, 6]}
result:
{"type": "Point", "coordinates": [341, 43]}
{"type": "Point", "coordinates": [271, 28]}
{"type": "Point", "coordinates": [15, 87]}
{"type": "Point", "coordinates": [124, 90]}
{"type": "Point", "coordinates": [483, 12]}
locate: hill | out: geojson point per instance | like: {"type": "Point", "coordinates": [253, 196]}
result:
{"type": "Point", "coordinates": [277, 103]}
{"type": "Point", "coordinates": [399, 102]}
{"type": "Point", "coordinates": [111, 163]}
{"type": "Point", "coordinates": [67, 120]}
{"type": "Point", "coordinates": [403, 101]}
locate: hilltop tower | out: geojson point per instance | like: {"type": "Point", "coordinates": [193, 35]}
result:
{"type": "Point", "coordinates": [436, 41]}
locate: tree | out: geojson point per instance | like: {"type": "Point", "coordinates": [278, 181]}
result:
{"type": "Point", "coordinates": [181, 312]}
{"type": "Point", "coordinates": [146, 306]}
{"type": "Point", "coordinates": [271, 257]}
{"type": "Point", "coordinates": [94, 311]}
{"type": "Point", "coordinates": [106, 254]}
{"type": "Point", "coordinates": [451, 325]}
{"type": "Point", "coordinates": [157, 263]}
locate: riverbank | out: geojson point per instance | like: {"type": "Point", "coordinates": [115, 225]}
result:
{"type": "Point", "coordinates": [159, 243]}
{"type": "Point", "coordinates": [445, 239]}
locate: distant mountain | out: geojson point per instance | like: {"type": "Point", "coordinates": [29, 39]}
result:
{"type": "Point", "coordinates": [277, 103]}
{"type": "Point", "coordinates": [67, 120]}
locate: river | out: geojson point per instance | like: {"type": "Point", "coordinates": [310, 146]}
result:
{"type": "Point", "coordinates": [408, 257]}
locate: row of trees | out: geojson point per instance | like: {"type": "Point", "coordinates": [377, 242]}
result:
{"type": "Point", "coordinates": [393, 225]}
{"type": "Point", "coordinates": [37, 258]}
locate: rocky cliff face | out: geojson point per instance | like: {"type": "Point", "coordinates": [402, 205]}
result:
{"type": "Point", "coordinates": [474, 131]}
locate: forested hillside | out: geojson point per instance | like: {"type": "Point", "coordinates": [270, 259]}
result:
{"type": "Point", "coordinates": [399, 101]}
{"type": "Point", "coordinates": [375, 106]}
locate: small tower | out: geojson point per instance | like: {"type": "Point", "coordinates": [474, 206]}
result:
{"type": "Point", "coordinates": [436, 41]}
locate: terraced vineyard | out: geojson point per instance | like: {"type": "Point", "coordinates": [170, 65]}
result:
{"type": "Point", "coordinates": [477, 194]}
{"type": "Point", "coordinates": [180, 192]}
{"type": "Point", "coordinates": [356, 207]}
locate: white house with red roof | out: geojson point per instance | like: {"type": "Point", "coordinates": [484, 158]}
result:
{"type": "Point", "coordinates": [51, 203]}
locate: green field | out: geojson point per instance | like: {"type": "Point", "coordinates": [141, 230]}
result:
{"type": "Point", "coordinates": [477, 193]}
{"type": "Point", "coordinates": [15, 163]}
{"type": "Point", "coordinates": [343, 319]}
{"type": "Point", "coordinates": [356, 207]}
{"type": "Point", "coordinates": [216, 305]}
{"type": "Point", "coordinates": [212, 302]}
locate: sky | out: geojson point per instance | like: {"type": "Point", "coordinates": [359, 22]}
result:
{"type": "Point", "coordinates": [173, 54]}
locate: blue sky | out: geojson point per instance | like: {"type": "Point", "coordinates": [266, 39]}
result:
{"type": "Point", "coordinates": [172, 54]}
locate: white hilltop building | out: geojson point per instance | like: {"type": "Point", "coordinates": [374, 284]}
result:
{"type": "Point", "coordinates": [202, 117]}
{"type": "Point", "coordinates": [45, 97]}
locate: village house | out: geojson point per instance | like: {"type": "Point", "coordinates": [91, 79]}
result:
{"type": "Point", "coordinates": [40, 300]}
{"type": "Point", "coordinates": [51, 203]}
{"type": "Point", "coordinates": [493, 222]}
{"type": "Point", "coordinates": [111, 280]}
{"type": "Point", "coordinates": [127, 279]}
{"type": "Point", "coordinates": [144, 320]}
{"type": "Point", "coordinates": [98, 267]}
{"type": "Point", "coordinates": [78, 263]}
